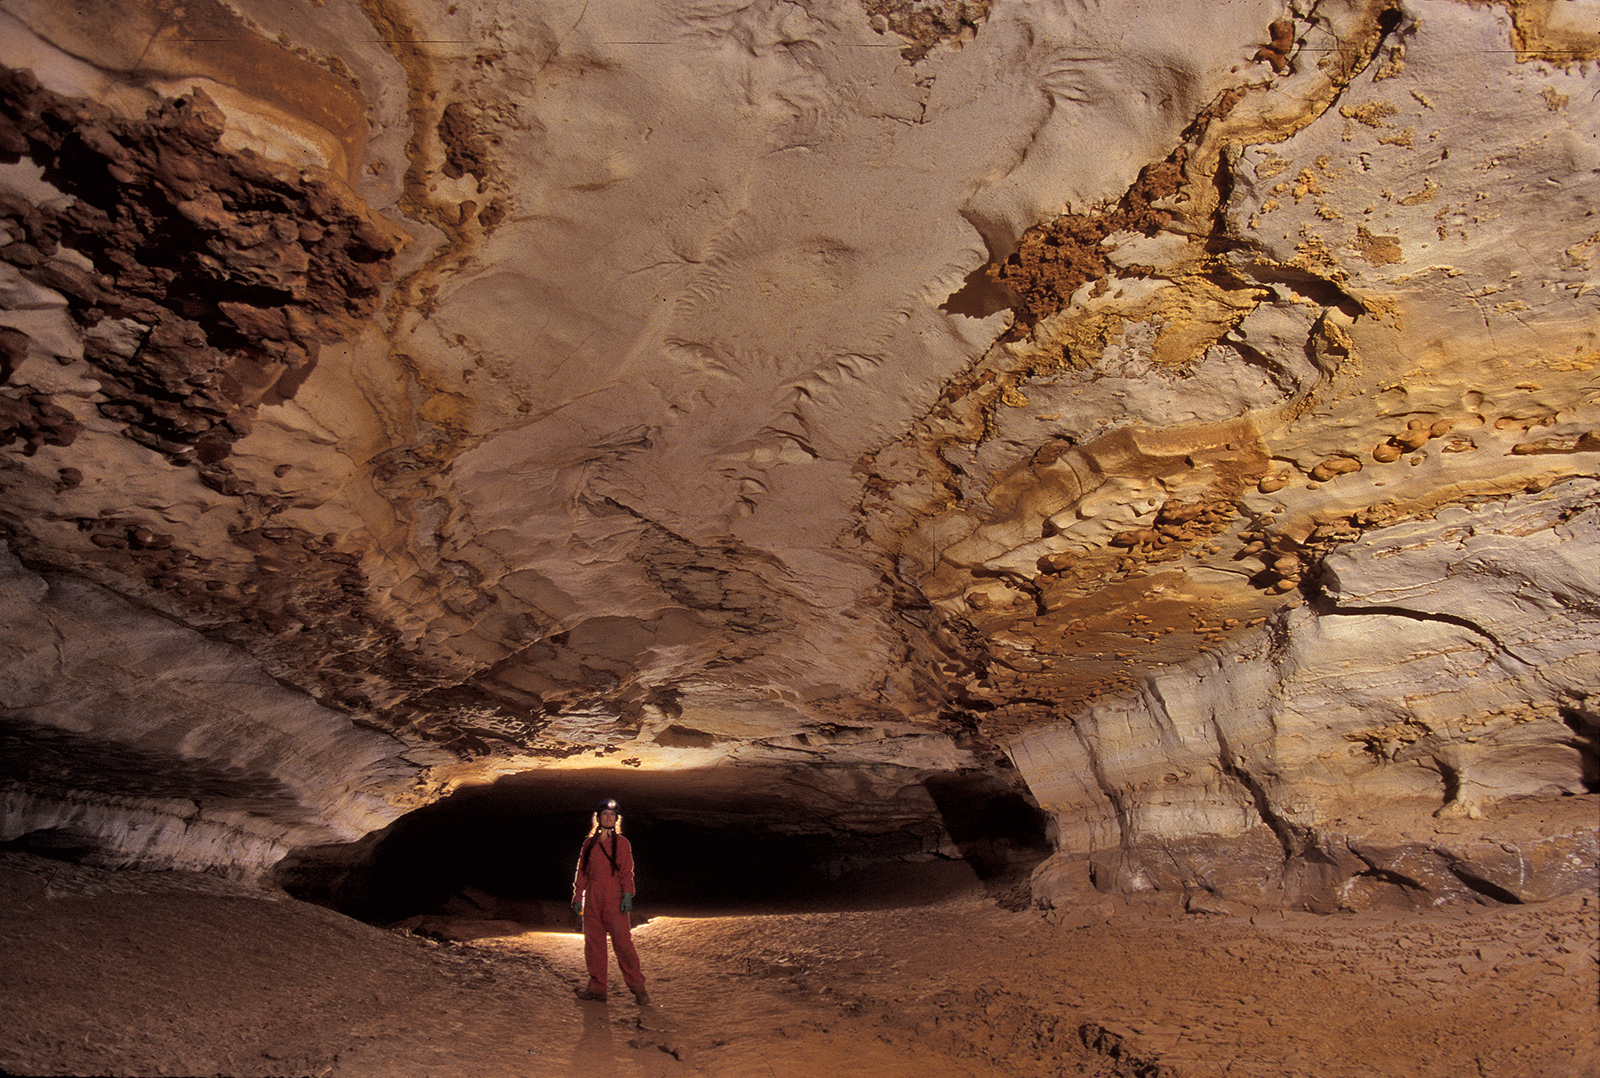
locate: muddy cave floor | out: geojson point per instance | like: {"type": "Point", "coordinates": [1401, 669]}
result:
{"type": "Point", "coordinates": [178, 974]}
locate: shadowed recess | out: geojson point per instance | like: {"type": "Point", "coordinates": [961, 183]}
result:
{"type": "Point", "coordinates": [704, 841]}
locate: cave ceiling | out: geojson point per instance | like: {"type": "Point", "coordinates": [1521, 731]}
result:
{"type": "Point", "coordinates": [700, 380]}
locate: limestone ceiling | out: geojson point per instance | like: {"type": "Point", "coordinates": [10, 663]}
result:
{"type": "Point", "coordinates": [882, 379]}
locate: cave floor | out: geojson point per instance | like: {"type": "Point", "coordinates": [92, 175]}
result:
{"type": "Point", "coordinates": [172, 973]}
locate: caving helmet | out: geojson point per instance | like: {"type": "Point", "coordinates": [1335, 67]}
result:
{"type": "Point", "coordinates": [608, 805]}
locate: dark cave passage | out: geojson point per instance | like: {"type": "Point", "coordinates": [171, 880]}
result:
{"type": "Point", "coordinates": [704, 842]}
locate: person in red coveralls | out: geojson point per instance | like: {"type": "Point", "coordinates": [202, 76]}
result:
{"type": "Point", "coordinates": [602, 892]}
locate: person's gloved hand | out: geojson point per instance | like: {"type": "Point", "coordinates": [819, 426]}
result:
{"type": "Point", "coordinates": [627, 903]}
{"type": "Point", "coordinates": [577, 906]}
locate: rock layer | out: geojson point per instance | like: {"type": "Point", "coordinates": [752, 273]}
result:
{"type": "Point", "coordinates": [1330, 788]}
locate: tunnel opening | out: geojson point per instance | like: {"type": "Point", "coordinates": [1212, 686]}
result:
{"type": "Point", "coordinates": [716, 841]}
{"type": "Point", "coordinates": [73, 845]}
{"type": "Point", "coordinates": [1585, 727]}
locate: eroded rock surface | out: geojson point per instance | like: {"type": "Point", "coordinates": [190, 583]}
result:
{"type": "Point", "coordinates": [1192, 404]}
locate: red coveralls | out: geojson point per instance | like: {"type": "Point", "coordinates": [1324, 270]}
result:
{"type": "Point", "coordinates": [601, 885]}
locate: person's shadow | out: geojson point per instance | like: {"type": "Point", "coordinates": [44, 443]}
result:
{"type": "Point", "coordinates": [594, 1053]}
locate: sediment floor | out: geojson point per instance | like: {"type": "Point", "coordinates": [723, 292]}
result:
{"type": "Point", "coordinates": [175, 974]}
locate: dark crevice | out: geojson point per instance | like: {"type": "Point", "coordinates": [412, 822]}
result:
{"type": "Point", "coordinates": [1319, 290]}
{"type": "Point", "coordinates": [1383, 875]}
{"type": "Point", "coordinates": [58, 844]}
{"type": "Point", "coordinates": [1287, 837]}
{"type": "Point", "coordinates": [1327, 606]}
{"type": "Point", "coordinates": [1388, 22]}
{"type": "Point", "coordinates": [1586, 739]}
{"type": "Point", "coordinates": [1479, 885]}
{"type": "Point", "coordinates": [1452, 781]}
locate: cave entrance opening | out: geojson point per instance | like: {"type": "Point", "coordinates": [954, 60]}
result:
{"type": "Point", "coordinates": [706, 842]}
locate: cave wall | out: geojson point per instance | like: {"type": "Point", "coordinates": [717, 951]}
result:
{"type": "Point", "coordinates": [1409, 736]}
{"type": "Point", "coordinates": [140, 743]}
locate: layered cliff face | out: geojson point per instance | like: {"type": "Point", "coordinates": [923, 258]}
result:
{"type": "Point", "coordinates": [1182, 416]}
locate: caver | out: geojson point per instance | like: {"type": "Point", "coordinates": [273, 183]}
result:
{"type": "Point", "coordinates": [602, 891]}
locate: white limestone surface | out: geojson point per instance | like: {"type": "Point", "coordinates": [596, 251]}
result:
{"type": "Point", "coordinates": [165, 748]}
{"type": "Point", "coordinates": [1461, 687]}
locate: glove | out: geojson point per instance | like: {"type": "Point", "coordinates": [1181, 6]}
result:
{"type": "Point", "coordinates": [577, 906]}
{"type": "Point", "coordinates": [627, 903]}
